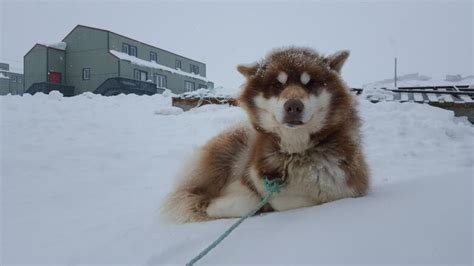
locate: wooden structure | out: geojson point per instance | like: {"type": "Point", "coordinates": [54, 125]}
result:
{"type": "Point", "coordinates": [459, 99]}
{"type": "Point", "coordinates": [434, 94]}
{"type": "Point", "coordinates": [187, 103]}
{"type": "Point", "coordinates": [356, 91]}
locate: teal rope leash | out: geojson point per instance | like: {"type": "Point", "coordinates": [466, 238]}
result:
{"type": "Point", "coordinates": [271, 186]}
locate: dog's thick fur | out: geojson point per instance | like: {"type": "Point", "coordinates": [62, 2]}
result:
{"type": "Point", "coordinates": [319, 156]}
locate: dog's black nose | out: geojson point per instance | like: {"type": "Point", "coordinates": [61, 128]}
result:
{"type": "Point", "coordinates": [293, 107]}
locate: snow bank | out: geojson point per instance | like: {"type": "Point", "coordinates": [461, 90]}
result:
{"type": "Point", "coordinates": [377, 94]}
{"type": "Point", "coordinates": [82, 178]}
{"type": "Point", "coordinates": [155, 65]}
{"type": "Point", "coordinates": [169, 111]}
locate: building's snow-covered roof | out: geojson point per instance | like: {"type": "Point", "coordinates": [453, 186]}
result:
{"type": "Point", "coordinates": [3, 76]}
{"type": "Point", "coordinates": [57, 45]}
{"type": "Point", "coordinates": [145, 63]}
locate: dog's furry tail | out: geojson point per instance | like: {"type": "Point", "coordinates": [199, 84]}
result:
{"type": "Point", "coordinates": [183, 206]}
{"type": "Point", "coordinates": [203, 178]}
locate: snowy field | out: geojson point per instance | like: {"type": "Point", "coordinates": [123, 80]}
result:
{"type": "Point", "coordinates": [83, 177]}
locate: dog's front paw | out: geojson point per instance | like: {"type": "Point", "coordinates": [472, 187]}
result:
{"type": "Point", "coordinates": [231, 206]}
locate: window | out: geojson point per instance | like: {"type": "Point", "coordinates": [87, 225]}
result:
{"type": "Point", "coordinates": [133, 51]}
{"type": "Point", "coordinates": [194, 69]}
{"type": "Point", "coordinates": [177, 64]}
{"type": "Point", "coordinates": [189, 86]}
{"type": "Point", "coordinates": [86, 74]}
{"type": "Point", "coordinates": [125, 48]}
{"type": "Point", "coordinates": [202, 86]}
{"type": "Point", "coordinates": [140, 75]}
{"type": "Point", "coordinates": [160, 81]}
{"type": "Point", "coordinates": [153, 57]}
{"type": "Point", "coordinates": [129, 49]}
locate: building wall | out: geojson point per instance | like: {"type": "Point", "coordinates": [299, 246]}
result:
{"type": "Point", "coordinates": [165, 58]}
{"type": "Point", "coordinates": [4, 66]}
{"type": "Point", "coordinates": [11, 82]}
{"type": "Point", "coordinates": [88, 48]}
{"type": "Point", "coordinates": [57, 62]}
{"type": "Point", "coordinates": [4, 86]}
{"type": "Point", "coordinates": [175, 82]}
{"type": "Point", "coordinates": [35, 66]}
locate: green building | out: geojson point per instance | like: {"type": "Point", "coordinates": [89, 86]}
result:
{"type": "Point", "coordinates": [10, 82]}
{"type": "Point", "coordinates": [101, 61]}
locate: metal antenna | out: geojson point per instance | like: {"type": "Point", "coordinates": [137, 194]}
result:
{"type": "Point", "coordinates": [395, 78]}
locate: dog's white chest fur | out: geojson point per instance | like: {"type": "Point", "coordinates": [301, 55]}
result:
{"type": "Point", "coordinates": [311, 181]}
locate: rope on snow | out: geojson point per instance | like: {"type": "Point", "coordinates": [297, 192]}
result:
{"type": "Point", "coordinates": [271, 187]}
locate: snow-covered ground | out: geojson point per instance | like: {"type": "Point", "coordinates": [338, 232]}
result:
{"type": "Point", "coordinates": [82, 178]}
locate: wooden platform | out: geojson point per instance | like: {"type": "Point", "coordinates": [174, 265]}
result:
{"type": "Point", "coordinates": [459, 99]}
{"type": "Point", "coordinates": [187, 103]}
{"type": "Point", "coordinates": [440, 94]}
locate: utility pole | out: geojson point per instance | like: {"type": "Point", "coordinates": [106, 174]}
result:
{"type": "Point", "coordinates": [395, 77]}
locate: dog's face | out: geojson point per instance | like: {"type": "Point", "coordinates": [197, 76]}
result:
{"type": "Point", "coordinates": [293, 90]}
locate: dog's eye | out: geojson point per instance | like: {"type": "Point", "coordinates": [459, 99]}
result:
{"type": "Point", "coordinates": [277, 86]}
{"type": "Point", "coordinates": [310, 83]}
{"type": "Point", "coordinates": [315, 85]}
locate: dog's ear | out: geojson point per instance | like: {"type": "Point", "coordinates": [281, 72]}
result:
{"type": "Point", "coordinates": [248, 70]}
{"type": "Point", "coordinates": [337, 60]}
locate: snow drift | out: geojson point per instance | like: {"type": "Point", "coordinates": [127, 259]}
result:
{"type": "Point", "coordinates": [82, 178]}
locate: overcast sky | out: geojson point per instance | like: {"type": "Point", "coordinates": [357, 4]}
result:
{"type": "Point", "coordinates": [430, 37]}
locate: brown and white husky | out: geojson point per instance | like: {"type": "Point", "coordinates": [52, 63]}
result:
{"type": "Point", "coordinates": [304, 129]}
